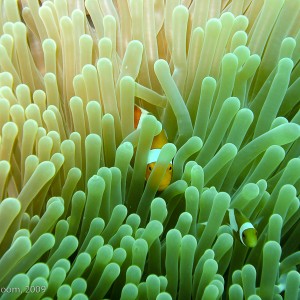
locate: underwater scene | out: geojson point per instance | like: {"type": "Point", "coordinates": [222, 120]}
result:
{"type": "Point", "coordinates": [149, 149]}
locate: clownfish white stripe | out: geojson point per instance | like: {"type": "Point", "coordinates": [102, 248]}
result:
{"type": "Point", "coordinates": [244, 227]}
{"type": "Point", "coordinates": [144, 113]}
{"type": "Point", "coordinates": [153, 156]}
{"type": "Point", "coordinates": [232, 220]}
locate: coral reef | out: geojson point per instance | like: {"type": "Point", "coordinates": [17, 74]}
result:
{"type": "Point", "coordinates": [77, 220]}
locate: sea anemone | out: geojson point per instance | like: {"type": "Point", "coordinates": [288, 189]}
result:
{"type": "Point", "coordinates": [77, 219]}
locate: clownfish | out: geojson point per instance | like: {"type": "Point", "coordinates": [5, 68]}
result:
{"type": "Point", "coordinates": [242, 227]}
{"type": "Point", "coordinates": [158, 142]}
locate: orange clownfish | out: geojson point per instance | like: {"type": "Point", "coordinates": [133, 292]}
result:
{"type": "Point", "coordinates": [158, 142]}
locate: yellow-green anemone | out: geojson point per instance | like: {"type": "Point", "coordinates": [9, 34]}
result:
{"type": "Point", "coordinates": [77, 220]}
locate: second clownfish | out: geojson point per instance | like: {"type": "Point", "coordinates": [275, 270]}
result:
{"type": "Point", "coordinates": [158, 142]}
{"type": "Point", "coordinates": [242, 227]}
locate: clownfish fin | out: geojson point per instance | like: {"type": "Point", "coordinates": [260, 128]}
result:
{"type": "Point", "coordinates": [139, 114]}
{"type": "Point", "coordinates": [203, 223]}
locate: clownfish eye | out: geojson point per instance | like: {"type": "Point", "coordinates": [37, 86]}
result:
{"type": "Point", "coordinates": [170, 168]}
{"type": "Point", "coordinates": [150, 169]}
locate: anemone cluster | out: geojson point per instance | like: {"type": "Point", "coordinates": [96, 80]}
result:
{"type": "Point", "coordinates": [77, 220]}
